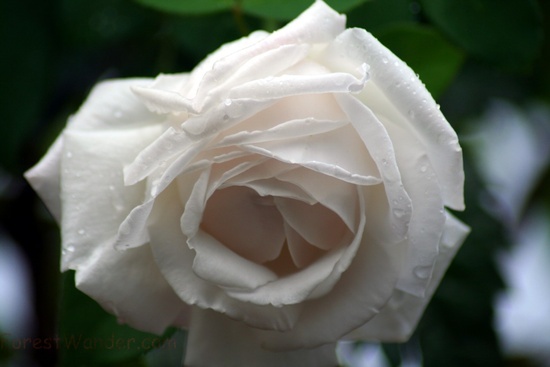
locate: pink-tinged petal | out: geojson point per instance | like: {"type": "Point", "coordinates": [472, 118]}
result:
{"type": "Point", "coordinates": [175, 260]}
{"type": "Point", "coordinates": [302, 252]}
{"type": "Point", "coordinates": [405, 97]}
{"type": "Point", "coordinates": [45, 178]}
{"type": "Point", "coordinates": [398, 319]}
{"type": "Point", "coordinates": [311, 282]}
{"type": "Point", "coordinates": [377, 140]}
{"type": "Point", "coordinates": [244, 222]}
{"type": "Point", "coordinates": [216, 340]}
{"type": "Point", "coordinates": [129, 285]}
{"type": "Point", "coordinates": [315, 223]}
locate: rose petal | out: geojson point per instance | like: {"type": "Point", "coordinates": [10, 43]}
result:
{"type": "Point", "coordinates": [112, 105]}
{"type": "Point", "coordinates": [276, 87]}
{"type": "Point", "coordinates": [323, 153]}
{"type": "Point", "coordinates": [286, 130]}
{"type": "Point", "coordinates": [302, 252]}
{"type": "Point", "coordinates": [409, 99]}
{"type": "Point", "coordinates": [398, 319]}
{"type": "Point", "coordinates": [337, 195]}
{"type": "Point", "coordinates": [375, 137]}
{"type": "Point", "coordinates": [315, 223]}
{"type": "Point", "coordinates": [241, 221]}
{"type": "Point", "coordinates": [427, 218]}
{"type": "Point", "coordinates": [175, 261]}
{"type": "Point", "coordinates": [217, 264]}
{"type": "Point", "coordinates": [130, 286]}
{"type": "Point", "coordinates": [45, 178]}
{"type": "Point", "coordinates": [362, 290]}
{"type": "Point", "coordinates": [216, 340]}
{"type": "Point", "coordinates": [91, 178]}
{"type": "Point", "coordinates": [311, 282]}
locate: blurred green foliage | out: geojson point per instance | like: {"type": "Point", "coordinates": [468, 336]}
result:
{"type": "Point", "coordinates": [466, 51]}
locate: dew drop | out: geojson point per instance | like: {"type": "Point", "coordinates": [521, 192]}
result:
{"type": "Point", "coordinates": [399, 213]}
{"type": "Point", "coordinates": [70, 248]}
{"type": "Point", "coordinates": [227, 102]}
{"type": "Point", "coordinates": [423, 168]}
{"type": "Point", "coordinates": [422, 272]}
{"type": "Point", "coordinates": [384, 60]}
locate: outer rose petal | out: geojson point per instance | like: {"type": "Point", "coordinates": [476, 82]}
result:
{"type": "Point", "coordinates": [397, 320]}
{"type": "Point", "coordinates": [91, 178]}
{"type": "Point", "coordinates": [219, 341]}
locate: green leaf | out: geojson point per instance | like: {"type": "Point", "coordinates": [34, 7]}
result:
{"type": "Point", "coordinates": [507, 33]}
{"type": "Point", "coordinates": [89, 336]}
{"type": "Point", "coordinates": [289, 9]}
{"type": "Point", "coordinates": [189, 6]}
{"type": "Point", "coordinates": [426, 52]}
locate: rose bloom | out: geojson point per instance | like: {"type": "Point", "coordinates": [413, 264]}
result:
{"type": "Point", "coordinates": [287, 193]}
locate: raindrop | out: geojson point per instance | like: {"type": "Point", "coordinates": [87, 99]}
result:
{"type": "Point", "coordinates": [423, 168]}
{"type": "Point", "coordinates": [81, 232]}
{"type": "Point", "coordinates": [384, 60]}
{"type": "Point", "coordinates": [70, 248]}
{"type": "Point", "coordinates": [227, 102]}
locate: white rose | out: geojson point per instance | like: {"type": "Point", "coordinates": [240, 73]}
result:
{"type": "Point", "coordinates": [288, 192]}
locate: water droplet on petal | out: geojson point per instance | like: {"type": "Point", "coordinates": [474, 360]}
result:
{"type": "Point", "coordinates": [81, 232]}
{"type": "Point", "coordinates": [423, 168]}
{"type": "Point", "coordinates": [384, 60]}
{"type": "Point", "coordinates": [399, 213]}
{"type": "Point", "coordinates": [227, 102]}
{"type": "Point", "coordinates": [422, 272]}
{"type": "Point", "coordinates": [69, 154]}
{"type": "Point", "coordinates": [70, 248]}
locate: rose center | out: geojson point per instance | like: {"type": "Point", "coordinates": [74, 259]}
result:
{"type": "Point", "coordinates": [283, 234]}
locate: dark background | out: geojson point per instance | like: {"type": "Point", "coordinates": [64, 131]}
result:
{"type": "Point", "coordinates": [468, 52]}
